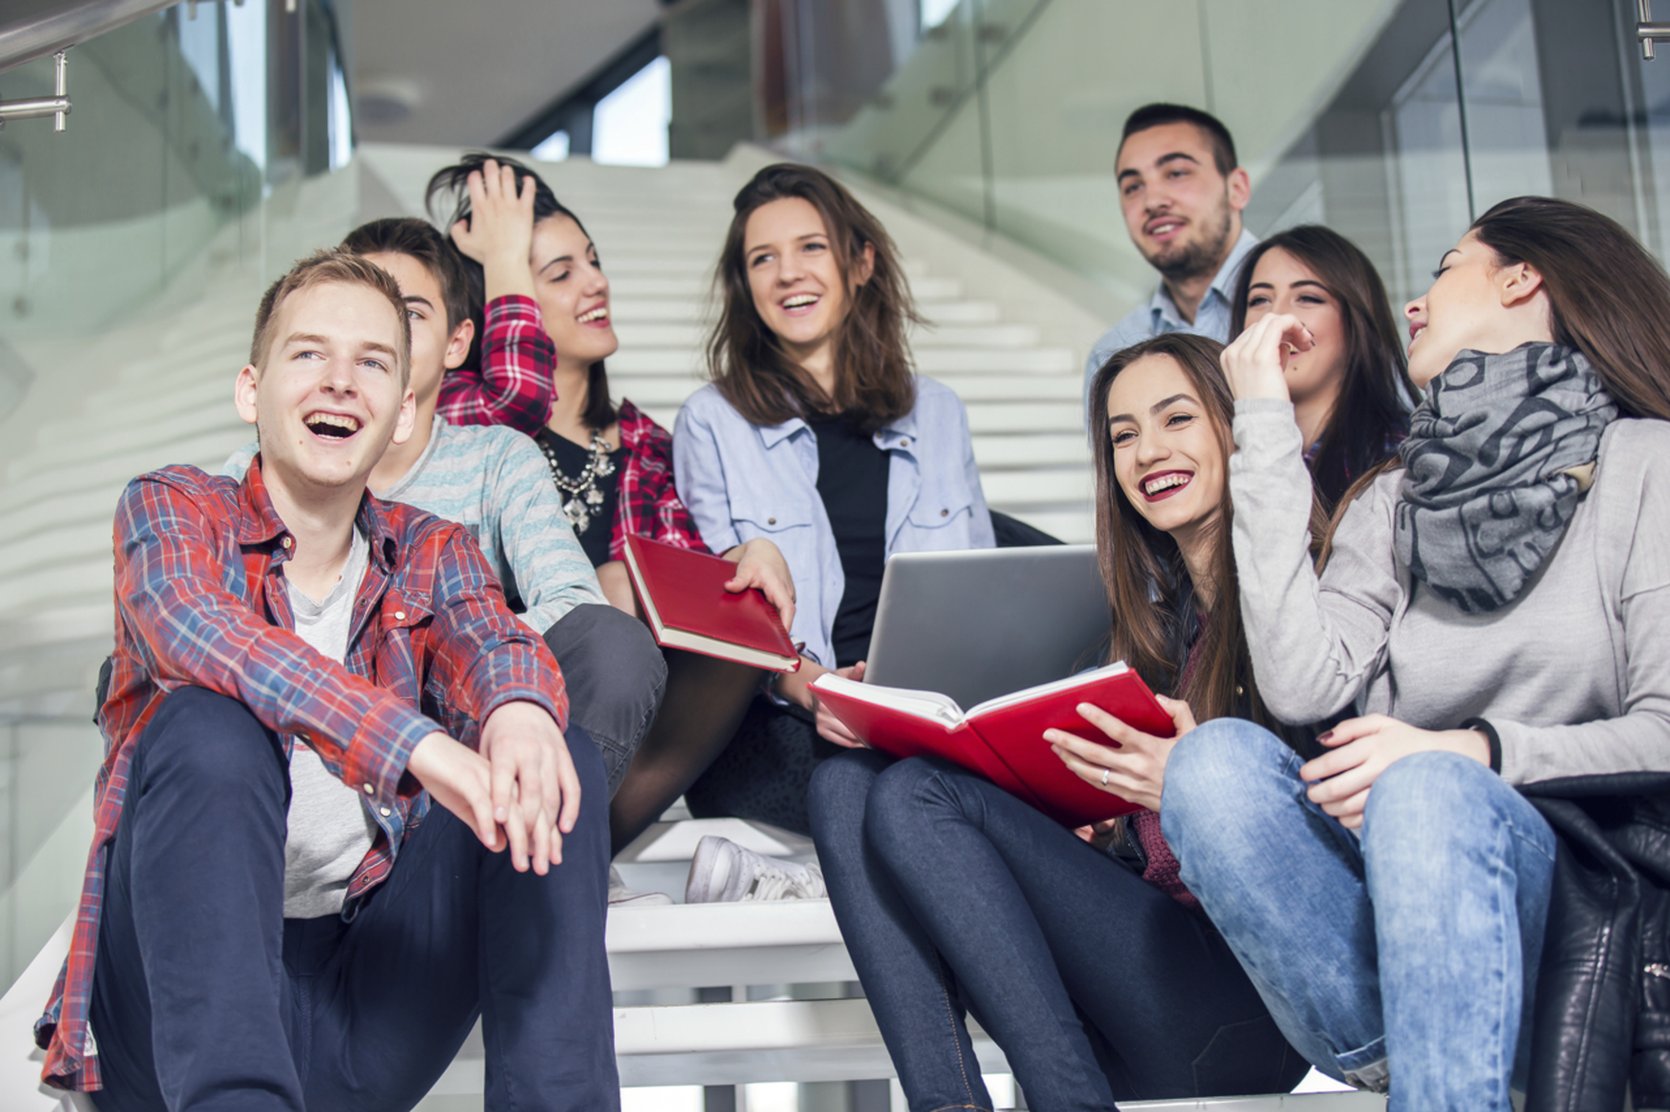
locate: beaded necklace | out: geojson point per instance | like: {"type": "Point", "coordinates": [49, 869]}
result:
{"type": "Point", "coordinates": [581, 496]}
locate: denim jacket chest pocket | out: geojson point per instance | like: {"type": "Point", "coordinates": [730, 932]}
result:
{"type": "Point", "coordinates": [772, 511]}
{"type": "Point", "coordinates": [943, 502]}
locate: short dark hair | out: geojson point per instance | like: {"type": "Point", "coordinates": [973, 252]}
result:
{"type": "Point", "coordinates": [322, 268]}
{"type": "Point", "coordinates": [407, 235]}
{"type": "Point", "coordinates": [1160, 114]}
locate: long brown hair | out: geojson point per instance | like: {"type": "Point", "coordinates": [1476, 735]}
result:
{"type": "Point", "coordinates": [1608, 298]}
{"type": "Point", "coordinates": [1157, 620]}
{"type": "Point", "coordinates": [1372, 410]}
{"type": "Point", "coordinates": [874, 383]}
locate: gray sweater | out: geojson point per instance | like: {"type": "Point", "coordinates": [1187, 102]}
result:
{"type": "Point", "coordinates": [1574, 674]}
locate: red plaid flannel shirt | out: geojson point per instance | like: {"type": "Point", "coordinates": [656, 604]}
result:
{"type": "Point", "coordinates": [649, 503]}
{"type": "Point", "coordinates": [513, 384]}
{"type": "Point", "coordinates": [201, 601]}
{"type": "Point", "coordinates": [517, 390]}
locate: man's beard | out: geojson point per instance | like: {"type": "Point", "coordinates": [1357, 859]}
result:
{"type": "Point", "coordinates": [1199, 258]}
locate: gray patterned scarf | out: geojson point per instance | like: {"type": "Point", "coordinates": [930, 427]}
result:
{"type": "Point", "coordinates": [1499, 455]}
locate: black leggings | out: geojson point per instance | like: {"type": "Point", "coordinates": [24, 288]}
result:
{"type": "Point", "coordinates": [763, 773]}
{"type": "Point", "coordinates": [705, 699]}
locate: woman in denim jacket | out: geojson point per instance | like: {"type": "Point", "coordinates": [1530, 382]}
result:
{"type": "Point", "coordinates": [816, 434]}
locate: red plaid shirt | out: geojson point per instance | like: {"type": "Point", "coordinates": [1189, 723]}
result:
{"type": "Point", "coordinates": [513, 384]}
{"type": "Point", "coordinates": [201, 601]}
{"type": "Point", "coordinates": [649, 503]}
{"type": "Point", "coordinates": [517, 390]}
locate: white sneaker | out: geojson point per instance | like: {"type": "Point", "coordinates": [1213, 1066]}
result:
{"type": "Point", "coordinates": [622, 896]}
{"type": "Point", "coordinates": [724, 872]}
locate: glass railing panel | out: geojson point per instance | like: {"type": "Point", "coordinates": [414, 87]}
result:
{"type": "Point", "coordinates": [1502, 88]}
{"type": "Point", "coordinates": [209, 146]}
{"type": "Point", "coordinates": [888, 133]}
{"type": "Point", "coordinates": [1365, 136]}
{"type": "Point", "coordinates": [80, 238]}
{"type": "Point", "coordinates": [1644, 121]}
{"type": "Point", "coordinates": [1056, 99]}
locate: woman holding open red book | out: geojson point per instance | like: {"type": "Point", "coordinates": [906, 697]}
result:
{"type": "Point", "coordinates": [816, 433]}
{"type": "Point", "coordinates": [1080, 953]}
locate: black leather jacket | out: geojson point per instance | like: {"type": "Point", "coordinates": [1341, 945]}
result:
{"type": "Point", "coordinates": [1602, 1014]}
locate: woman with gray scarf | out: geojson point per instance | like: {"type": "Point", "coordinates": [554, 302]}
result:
{"type": "Point", "coordinates": [1493, 604]}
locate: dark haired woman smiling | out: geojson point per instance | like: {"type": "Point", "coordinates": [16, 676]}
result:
{"type": "Point", "coordinates": [1350, 389]}
{"type": "Point", "coordinates": [1090, 964]}
{"type": "Point", "coordinates": [611, 463]}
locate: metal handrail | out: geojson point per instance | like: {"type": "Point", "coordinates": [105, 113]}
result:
{"type": "Point", "coordinates": [31, 29]}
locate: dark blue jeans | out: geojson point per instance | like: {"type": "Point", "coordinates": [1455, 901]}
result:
{"type": "Point", "coordinates": [952, 895]}
{"type": "Point", "coordinates": [206, 997]}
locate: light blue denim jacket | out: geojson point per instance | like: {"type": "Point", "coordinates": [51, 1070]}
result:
{"type": "Point", "coordinates": [743, 481]}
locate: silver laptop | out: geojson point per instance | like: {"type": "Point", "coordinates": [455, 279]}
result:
{"type": "Point", "coordinates": [985, 622]}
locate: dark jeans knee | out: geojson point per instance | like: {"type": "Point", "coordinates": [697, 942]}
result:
{"type": "Point", "coordinates": [201, 741]}
{"type": "Point", "coordinates": [906, 798]}
{"type": "Point", "coordinates": [591, 766]}
{"type": "Point", "coordinates": [839, 788]}
{"type": "Point", "coordinates": [615, 675]}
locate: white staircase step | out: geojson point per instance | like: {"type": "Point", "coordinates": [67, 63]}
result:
{"type": "Point", "coordinates": [635, 336]}
{"type": "Point", "coordinates": [633, 311]}
{"type": "Point", "coordinates": [645, 281]}
{"type": "Point", "coordinates": [731, 1044]}
{"type": "Point", "coordinates": [1022, 417]}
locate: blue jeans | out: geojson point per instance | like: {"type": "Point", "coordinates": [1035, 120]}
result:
{"type": "Point", "coordinates": [1415, 945]}
{"type": "Point", "coordinates": [204, 996]}
{"type": "Point", "coordinates": [952, 895]}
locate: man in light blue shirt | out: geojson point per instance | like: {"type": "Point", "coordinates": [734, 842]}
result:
{"type": "Point", "coordinates": [1182, 193]}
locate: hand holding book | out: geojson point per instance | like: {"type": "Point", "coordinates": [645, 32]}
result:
{"type": "Point", "coordinates": [1135, 771]}
{"type": "Point", "coordinates": [760, 566]}
{"type": "Point", "coordinates": [707, 604]}
{"type": "Point", "coordinates": [1007, 740]}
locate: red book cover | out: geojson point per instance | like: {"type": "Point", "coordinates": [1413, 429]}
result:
{"type": "Point", "coordinates": [683, 597]}
{"type": "Point", "coordinates": [900, 733]}
{"type": "Point", "coordinates": [1002, 739]}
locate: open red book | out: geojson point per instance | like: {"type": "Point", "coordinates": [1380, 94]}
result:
{"type": "Point", "coordinates": [1003, 739]}
{"type": "Point", "coordinates": [683, 596]}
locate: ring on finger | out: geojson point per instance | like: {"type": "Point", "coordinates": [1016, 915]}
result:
{"type": "Point", "coordinates": [1105, 772]}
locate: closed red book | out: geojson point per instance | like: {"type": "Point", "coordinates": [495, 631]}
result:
{"type": "Point", "coordinates": [1002, 739]}
{"type": "Point", "coordinates": [683, 597]}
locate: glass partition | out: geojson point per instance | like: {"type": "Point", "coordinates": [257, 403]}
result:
{"type": "Point", "coordinates": [209, 145]}
{"type": "Point", "coordinates": [1394, 121]}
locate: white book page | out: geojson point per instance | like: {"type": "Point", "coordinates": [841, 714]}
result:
{"type": "Point", "coordinates": [1067, 684]}
{"type": "Point", "coordinates": [922, 704]}
{"type": "Point", "coordinates": [637, 577]}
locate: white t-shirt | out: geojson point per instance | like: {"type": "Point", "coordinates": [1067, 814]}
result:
{"type": "Point", "coordinates": [329, 828]}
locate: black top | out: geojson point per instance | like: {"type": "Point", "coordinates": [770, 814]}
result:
{"type": "Point", "coordinates": [572, 459]}
{"type": "Point", "coordinates": [852, 481]}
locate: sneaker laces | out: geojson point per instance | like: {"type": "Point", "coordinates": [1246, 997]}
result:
{"type": "Point", "coordinates": [782, 881]}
